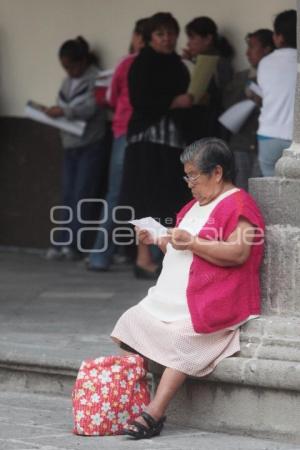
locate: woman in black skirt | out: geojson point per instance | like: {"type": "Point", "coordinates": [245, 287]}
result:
{"type": "Point", "coordinates": [152, 183]}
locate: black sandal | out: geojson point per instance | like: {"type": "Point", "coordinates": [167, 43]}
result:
{"type": "Point", "coordinates": [139, 431]}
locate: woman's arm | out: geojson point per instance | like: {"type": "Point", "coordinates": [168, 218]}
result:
{"type": "Point", "coordinates": [233, 252]}
{"type": "Point", "coordinates": [84, 110]}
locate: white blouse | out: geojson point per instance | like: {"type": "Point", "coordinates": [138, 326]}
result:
{"type": "Point", "coordinates": [167, 299]}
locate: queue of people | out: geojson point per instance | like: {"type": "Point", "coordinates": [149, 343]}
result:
{"type": "Point", "coordinates": [155, 117]}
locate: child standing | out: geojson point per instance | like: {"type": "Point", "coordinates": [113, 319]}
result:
{"type": "Point", "coordinates": [84, 161]}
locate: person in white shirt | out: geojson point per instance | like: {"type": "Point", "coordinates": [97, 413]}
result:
{"type": "Point", "coordinates": [276, 76]}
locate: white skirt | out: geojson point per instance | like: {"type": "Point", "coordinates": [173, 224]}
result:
{"type": "Point", "coordinates": [175, 344]}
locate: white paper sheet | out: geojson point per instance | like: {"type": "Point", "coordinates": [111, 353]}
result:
{"type": "Point", "coordinates": [104, 78]}
{"type": "Point", "coordinates": [33, 111]}
{"type": "Point", "coordinates": [235, 116]}
{"type": "Point", "coordinates": [148, 223]}
{"type": "Point", "coordinates": [254, 87]}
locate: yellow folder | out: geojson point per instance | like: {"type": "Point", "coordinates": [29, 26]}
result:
{"type": "Point", "coordinates": [203, 72]}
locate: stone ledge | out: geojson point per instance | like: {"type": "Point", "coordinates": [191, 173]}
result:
{"type": "Point", "coordinates": [278, 199]}
{"type": "Point", "coordinates": [269, 374]}
{"type": "Point", "coordinates": [269, 358]}
{"type": "Point", "coordinates": [233, 370]}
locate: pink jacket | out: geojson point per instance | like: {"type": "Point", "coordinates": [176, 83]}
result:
{"type": "Point", "coordinates": [220, 297]}
{"type": "Point", "coordinates": [118, 96]}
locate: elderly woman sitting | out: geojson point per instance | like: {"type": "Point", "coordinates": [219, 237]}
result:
{"type": "Point", "coordinates": [209, 285]}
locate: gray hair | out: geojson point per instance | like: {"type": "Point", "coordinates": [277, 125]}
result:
{"type": "Point", "coordinates": [207, 153]}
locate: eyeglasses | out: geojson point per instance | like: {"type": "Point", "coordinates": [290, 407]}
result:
{"type": "Point", "coordinates": [191, 180]}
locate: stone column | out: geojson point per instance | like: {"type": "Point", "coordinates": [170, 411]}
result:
{"type": "Point", "coordinates": [274, 339]}
{"type": "Point", "coordinates": [288, 166]}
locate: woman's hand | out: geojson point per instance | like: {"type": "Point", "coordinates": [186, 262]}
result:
{"type": "Point", "coordinates": [54, 111]}
{"type": "Point", "coordinates": [162, 242]}
{"type": "Point", "coordinates": [254, 97]}
{"type": "Point", "coordinates": [144, 237]}
{"type": "Point", "coordinates": [182, 101]}
{"type": "Point", "coordinates": [181, 239]}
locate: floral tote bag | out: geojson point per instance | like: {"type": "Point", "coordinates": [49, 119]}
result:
{"type": "Point", "coordinates": [108, 393]}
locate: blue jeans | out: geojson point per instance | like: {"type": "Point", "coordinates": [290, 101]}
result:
{"type": "Point", "coordinates": [269, 151]}
{"type": "Point", "coordinates": [83, 168]}
{"type": "Point", "coordinates": [103, 248]}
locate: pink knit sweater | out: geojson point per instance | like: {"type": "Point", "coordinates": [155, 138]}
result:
{"type": "Point", "coordinates": [118, 96]}
{"type": "Point", "coordinates": [220, 297]}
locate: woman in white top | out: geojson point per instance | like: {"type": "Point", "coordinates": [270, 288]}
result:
{"type": "Point", "coordinates": [162, 327]}
{"type": "Point", "coordinates": [276, 76]}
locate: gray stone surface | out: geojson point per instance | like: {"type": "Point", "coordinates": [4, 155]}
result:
{"type": "Point", "coordinates": [278, 199]}
{"type": "Point", "coordinates": [281, 271]}
{"type": "Point", "coordinates": [288, 166]}
{"type": "Point", "coordinates": [53, 315]}
{"type": "Point", "coordinates": [240, 409]}
{"type": "Point", "coordinates": [58, 313]}
{"type": "Point", "coordinates": [39, 422]}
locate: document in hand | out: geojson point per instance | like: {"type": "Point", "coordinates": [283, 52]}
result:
{"type": "Point", "coordinates": [102, 85]}
{"type": "Point", "coordinates": [35, 112]}
{"type": "Point", "coordinates": [254, 87]}
{"type": "Point", "coordinates": [202, 74]}
{"type": "Point", "coordinates": [104, 78]}
{"type": "Point", "coordinates": [155, 229]}
{"type": "Point", "coordinates": [234, 117]}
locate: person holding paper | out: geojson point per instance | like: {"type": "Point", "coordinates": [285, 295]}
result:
{"type": "Point", "coordinates": [209, 285]}
{"type": "Point", "coordinates": [276, 76]}
{"type": "Point", "coordinates": [204, 39]}
{"type": "Point", "coordinates": [158, 80]}
{"type": "Point", "coordinates": [212, 57]}
{"type": "Point", "coordinates": [85, 157]}
{"type": "Point", "coordinates": [244, 142]}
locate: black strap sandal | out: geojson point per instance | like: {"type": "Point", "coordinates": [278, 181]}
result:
{"type": "Point", "coordinates": [139, 431]}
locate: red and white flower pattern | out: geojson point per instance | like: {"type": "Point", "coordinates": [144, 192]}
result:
{"type": "Point", "coordinates": [108, 393]}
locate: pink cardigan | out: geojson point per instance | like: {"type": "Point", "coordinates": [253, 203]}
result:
{"type": "Point", "coordinates": [220, 297]}
{"type": "Point", "coordinates": [118, 96]}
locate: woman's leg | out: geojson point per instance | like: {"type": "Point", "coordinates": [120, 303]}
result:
{"type": "Point", "coordinates": [92, 165]}
{"type": "Point", "coordinates": [169, 384]}
{"type": "Point", "coordinates": [171, 380]}
{"type": "Point", "coordinates": [69, 173]}
{"type": "Point", "coordinates": [103, 248]}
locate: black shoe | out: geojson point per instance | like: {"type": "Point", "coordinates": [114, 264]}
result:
{"type": "Point", "coordinates": [145, 274]}
{"type": "Point", "coordinates": [139, 431]}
